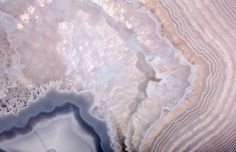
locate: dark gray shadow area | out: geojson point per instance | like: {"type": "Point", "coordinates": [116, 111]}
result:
{"type": "Point", "coordinates": [52, 104]}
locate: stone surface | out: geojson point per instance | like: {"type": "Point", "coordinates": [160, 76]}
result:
{"type": "Point", "coordinates": [161, 71]}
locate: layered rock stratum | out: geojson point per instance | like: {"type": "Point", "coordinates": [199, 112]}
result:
{"type": "Point", "coordinates": [162, 72]}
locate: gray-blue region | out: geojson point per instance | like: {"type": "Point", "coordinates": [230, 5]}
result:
{"type": "Point", "coordinates": [54, 103]}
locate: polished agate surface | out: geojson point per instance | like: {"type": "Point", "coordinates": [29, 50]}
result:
{"type": "Point", "coordinates": [117, 75]}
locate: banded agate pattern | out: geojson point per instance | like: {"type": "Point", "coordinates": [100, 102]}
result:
{"type": "Point", "coordinates": [159, 74]}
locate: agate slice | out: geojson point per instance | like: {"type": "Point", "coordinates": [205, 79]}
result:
{"type": "Point", "coordinates": [118, 75]}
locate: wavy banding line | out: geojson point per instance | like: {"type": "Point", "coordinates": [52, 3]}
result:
{"type": "Point", "coordinates": [227, 10]}
{"type": "Point", "coordinates": [206, 114]}
{"type": "Point", "coordinates": [219, 106]}
{"type": "Point", "coordinates": [209, 76]}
